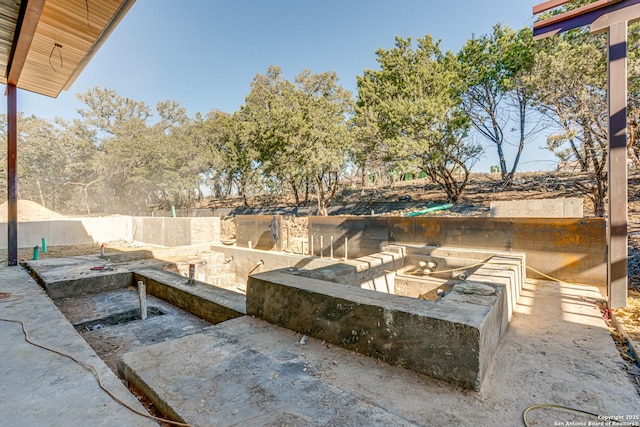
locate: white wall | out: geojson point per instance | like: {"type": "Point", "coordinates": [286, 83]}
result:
{"type": "Point", "coordinates": [82, 231]}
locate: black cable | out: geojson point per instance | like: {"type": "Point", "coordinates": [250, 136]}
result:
{"type": "Point", "coordinates": [59, 46]}
{"type": "Point", "coordinates": [88, 22]}
{"type": "Point", "coordinates": [93, 369]}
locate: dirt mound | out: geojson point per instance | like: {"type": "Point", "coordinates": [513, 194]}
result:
{"type": "Point", "coordinates": [29, 211]}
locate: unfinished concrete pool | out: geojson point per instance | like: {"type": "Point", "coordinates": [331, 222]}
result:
{"type": "Point", "coordinates": [263, 337]}
{"type": "Point", "coordinates": [375, 305]}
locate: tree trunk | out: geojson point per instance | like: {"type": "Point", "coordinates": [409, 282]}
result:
{"type": "Point", "coordinates": [523, 123]}
{"type": "Point", "coordinates": [41, 195]}
{"type": "Point", "coordinates": [296, 194]}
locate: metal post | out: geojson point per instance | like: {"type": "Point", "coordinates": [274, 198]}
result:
{"type": "Point", "coordinates": [346, 240]}
{"type": "Point", "coordinates": [192, 274]}
{"type": "Point", "coordinates": [321, 247]}
{"type": "Point", "coordinates": [331, 253]}
{"type": "Point", "coordinates": [12, 175]}
{"type": "Point", "coordinates": [617, 176]}
{"type": "Point", "coordinates": [142, 296]}
{"type": "Point", "coordinates": [312, 239]}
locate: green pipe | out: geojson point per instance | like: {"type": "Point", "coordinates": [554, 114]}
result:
{"type": "Point", "coordinates": [36, 253]}
{"type": "Point", "coordinates": [44, 245]}
{"type": "Point", "coordinates": [173, 211]}
{"type": "Point", "coordinates": [430, 209]}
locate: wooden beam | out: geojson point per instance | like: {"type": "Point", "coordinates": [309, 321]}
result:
{"type": "Point", "coordinates": [617, 176]}
{"type": "Point", "coordinates": [565, 16]}
{"type": "Point", "coordinates": [26, 30]}
{"type": "Point", "coordinates": [550, 4]}
{"type": "Point", "coordinates": [115, 20]}
{"type": "Point", "coordinates": [629, 15]}
{"type": "Point", "coordinates": [580, 17]}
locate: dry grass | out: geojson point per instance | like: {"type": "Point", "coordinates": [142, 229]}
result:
{"type": "Point", "coordinates": [630, 315]}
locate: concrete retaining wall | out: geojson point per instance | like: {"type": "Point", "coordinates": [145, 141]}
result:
{"type": "Point", "coordinates": [175, 231]}
{"type": "Point", "coordinates": [573, 250]}
{"type": "Point", "coordinates": [571, 207]}
{"type": "Point", "coordinates": [254, 231]}
{"type": "Point", "coordinates": [453, 339]}
{"type": "Point", "coordinates": [364, 235]}
{"type": "Point", "coordinates": [246, 261]}
{"type": "Point", "coordinates": [84, 231]}
{"type": "Point", "coordinates": [208, 302]}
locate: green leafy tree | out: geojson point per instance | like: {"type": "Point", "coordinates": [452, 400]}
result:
{"type": "Point", "coordinates": [145, 166]}
{"type": "Point", "coordinates": [55, 164]}
{"type": "Point", "coordinates": [572, 95]}
{"type": "Point", "coordinates": [497, 71]}
{"type": "Point", "coordinates": [231, 160]}
{"type": "Point", "coordinates": [414, 99]}
{"type": "Point", "coordinates": [300, 130]}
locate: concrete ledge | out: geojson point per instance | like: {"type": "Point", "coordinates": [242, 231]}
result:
{"type": "Point", "coordinates": [246, 372]}
{"type": "Point", "coordinates": [39, 388]}
{"type": "Point", "coordinates": [373, 272]}
{"type": "Point", "coordinates": [73, 277]}
{"type": "Point", "coordinates": [200, 299]}
{"type": "Point", "coordinates": [453, 339]}
{"type": "Point", "coordinates": [571, 207]}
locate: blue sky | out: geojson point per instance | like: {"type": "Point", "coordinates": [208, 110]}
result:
{"type": "Point", "coordinates": [204, 53]}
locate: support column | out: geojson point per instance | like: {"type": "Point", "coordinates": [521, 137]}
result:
{"type": "Point", "coordinates": [12, 175]}
{"type": "Point", "coordinates": [617, 176]}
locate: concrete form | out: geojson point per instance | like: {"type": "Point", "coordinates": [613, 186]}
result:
{"type": "Point", "coordinates": [208, 302]}
{"type": "Point", "coordinates": [254, 373]}
{"type": "Point", "coordinates": [74, 277]}
{"type": "Point", "coordinates": [249, 372]}
{"type": "Point", "coordinates": [110, 322]}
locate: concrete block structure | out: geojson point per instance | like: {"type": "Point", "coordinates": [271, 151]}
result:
{"type": "Point", "coordinates": [453, 339]}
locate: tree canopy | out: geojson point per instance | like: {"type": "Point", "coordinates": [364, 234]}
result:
{"type": "Point", "coordinates": [421, 112]}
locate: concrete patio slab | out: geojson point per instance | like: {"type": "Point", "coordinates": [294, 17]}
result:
{"type": "Point", "coordinates": [557, 350]}
{"type": "Point", "coordinates": [40, 388]}
{"type": "Point", "coordinates": [245, 372]}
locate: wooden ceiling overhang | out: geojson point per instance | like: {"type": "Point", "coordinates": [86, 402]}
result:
{"type": "Point", "coordinates": [45, 44]}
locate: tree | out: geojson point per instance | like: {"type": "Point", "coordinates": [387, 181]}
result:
{"type": "Point", "coordinates": [326, 108]}
{"type": "Point", "coordinates": [299, 130]}
{"type": "Point", "coordinates": [53, 162]}
{"type": "Point", "coordinates": [633, 108]}
{"type": "Point", "coordinates": [572, 95]}
{"type": "Point", "coordinates": [415, 99]}
{"type": "Point", "coordinates": [497, 72]}
{"type": "Point", "coordinates": [231, 160]}
{"type": "Point", "coordinates": [144, 166]}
